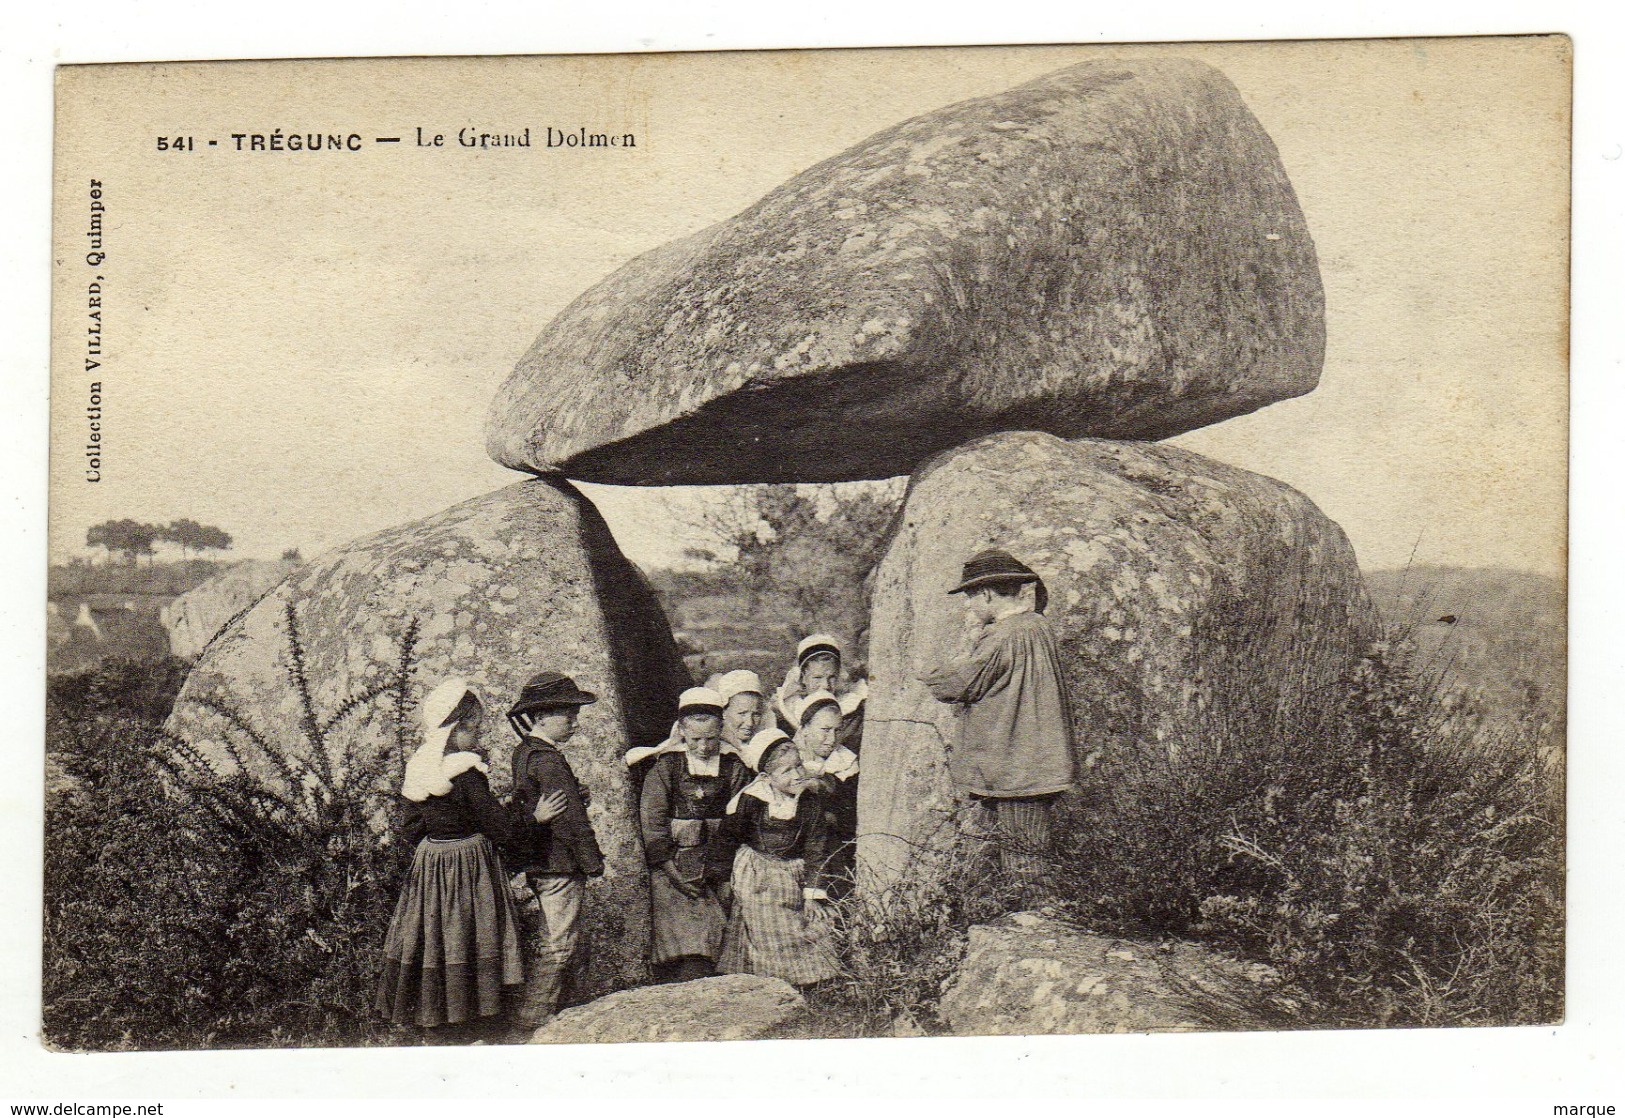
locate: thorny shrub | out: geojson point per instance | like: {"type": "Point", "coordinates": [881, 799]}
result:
{"type": "Point", "coordinates": [900, 943]}
{"type": "Point", "coordinates": [187, 909]}
{"type": "Point", "coordinates": [1396, 867]}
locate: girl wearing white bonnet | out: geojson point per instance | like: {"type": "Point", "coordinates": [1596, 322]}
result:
{"type": "Point", "coordinates": [834, 769]}
{"type": "Point", "coordinates": [685, 791]}
{"type": "Point", "coordinates": [742, 708]}
{"type": "Point", "coordinates": [771, 850]}
{"type": "Point", "coordinates": [453, 946]}
{"type": "Point", "coordinates": [819, 660]}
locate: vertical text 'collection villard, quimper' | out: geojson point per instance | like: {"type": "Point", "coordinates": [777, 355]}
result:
{"type": "Point", "coordinates": [94, 258]}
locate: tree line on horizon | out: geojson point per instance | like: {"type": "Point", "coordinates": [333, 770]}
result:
{"type": "Point", "coordinates": [133, 538]}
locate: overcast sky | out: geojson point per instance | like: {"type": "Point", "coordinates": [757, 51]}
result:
{"type": "Point", "coordinates": [300, 348]}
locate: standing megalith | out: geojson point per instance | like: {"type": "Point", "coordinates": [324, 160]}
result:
{"type": "Point", "coordinates": [1183, 592]}
{"type": "Point", "coordinates": [493, 589]}
{"type": "Point", "coordinates": [1112, 250]}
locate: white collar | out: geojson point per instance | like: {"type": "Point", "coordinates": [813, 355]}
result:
{"type": "Point", "coordinates": [673, 744]}
{"type": "Point", "coordinates": [842, 764]}
{"type": "Point", "coordinates": [644, 752]}
{"type": "Point", "coordinates": [697, 767]}
{"type": "Point", "coordinates": [419, 786]}
{"type": "Point", "coordinates": [853, 699]}
{"type": "Point", "coordinates": [455, 764]}
{"type": "Point", "coordinates": [789, 691]}
{"type": "Point", "coordinates": [779, 806]}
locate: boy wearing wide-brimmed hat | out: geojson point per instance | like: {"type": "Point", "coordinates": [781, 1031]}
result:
{"type": "Point", "coordinates": [1014, 754]}
{"type": "Point", "coordinates": [555, 858]}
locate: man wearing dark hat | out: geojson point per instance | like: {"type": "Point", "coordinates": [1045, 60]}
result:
{"type": "Point", "coordinates": [1014, 754]}
{"type": "Point", "coordinates": [555, 858]}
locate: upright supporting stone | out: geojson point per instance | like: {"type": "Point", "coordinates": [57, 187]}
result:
{"type": "Point", "coordinates": [493, 589]}
{"type": "Point", "coordinates": [1186, 595]}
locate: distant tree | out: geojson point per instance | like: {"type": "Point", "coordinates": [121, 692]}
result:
{"type": "Point", "coordinates": [291, 555]}
{"type": "Point", "coordinates": [142, 539]}
{"type": "Point", "coordinates": [190, 536]}
{"type": "Point", "coordinates": [129, 537]}
{"type": "Point", "coordinates": [801, 552]}
{"type": "Point", "coordinates": [102, 535]}
{"type": "Point", "coordinates": [212, 539]}
{"type": "Point", "coordinates": [182, 533]}
{"type": "Point", "coordinates": [133, 539]}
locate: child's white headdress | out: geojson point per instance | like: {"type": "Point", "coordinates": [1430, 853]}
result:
{"type": "Point", "coordinates": [430, 769]}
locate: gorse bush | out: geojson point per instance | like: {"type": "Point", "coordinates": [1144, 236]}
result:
{"type": "Point", "coordinates": [189, 909]}
{"type": "Point", "coordinates": [135, 911]}
{"type": "Point", "coordinates": [1397, 867]}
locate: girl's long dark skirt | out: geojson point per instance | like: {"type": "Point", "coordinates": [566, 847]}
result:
{"type": "Point", "coordinates": [454, 942]}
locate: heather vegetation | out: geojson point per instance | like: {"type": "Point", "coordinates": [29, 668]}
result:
{"type": "Point", "coordinates": [1394, 851]}
{"type": "Point", "coordinates": [1396, 866]}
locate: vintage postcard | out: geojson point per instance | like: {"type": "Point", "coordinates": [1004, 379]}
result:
{"type": "Point", "coordinates": [808, 544]}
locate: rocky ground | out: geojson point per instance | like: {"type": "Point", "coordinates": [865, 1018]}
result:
{"type": "Point", "coordinates": [727, 1007]}
{"type": "Point", "coordinates": [1026, 974]}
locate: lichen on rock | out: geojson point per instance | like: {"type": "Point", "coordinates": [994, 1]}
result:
{"type": "Point", "coordinates": [1113, 250]}
{"type": "Point", "coordinates": [727, 1007]}
{"type": "Point", "coordinates": [193, 618]}
{"type": "Point", "coordinates": [1029, 975]}
{"type": "Point", "coordinates": [1188, 598]}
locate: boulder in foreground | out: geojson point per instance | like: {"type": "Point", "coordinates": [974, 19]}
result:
{"type": "Point", "coordinates": [1112, 250]}
{"type": "Point", "coordinates": [1029, 975]}
{"type": "Point", "coordinates": [727, 1007]}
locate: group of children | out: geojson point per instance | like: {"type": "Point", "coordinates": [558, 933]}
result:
{"type": "Point", "coordinates": [748, 813]}
{"type": "Point", "coordinates": [747, 810]}
{"type": "Point", "coordinates": [746, 831]}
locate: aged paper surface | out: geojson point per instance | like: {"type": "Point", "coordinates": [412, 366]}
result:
{"type": "Point", "coordinates": [296, 344]}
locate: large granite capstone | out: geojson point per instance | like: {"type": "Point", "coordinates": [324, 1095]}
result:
{"type": "Point", "coordinates": [493, 589]}
{"type": "Point", "coordinates": [1194, 603]}
{"type": "Point", "coordinates": [1113, 250]}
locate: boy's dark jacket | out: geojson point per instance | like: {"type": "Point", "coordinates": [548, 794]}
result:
{"type": "Point", "coordinates": [567, 843]}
